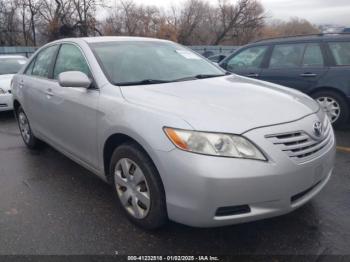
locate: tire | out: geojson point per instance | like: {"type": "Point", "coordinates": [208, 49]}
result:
{"type": "Point", "coordinates": [26, 132]}
{"type": "Point", "coordinates": [128, 186]}
{"type": "Point", "coordinates": [339, 100]}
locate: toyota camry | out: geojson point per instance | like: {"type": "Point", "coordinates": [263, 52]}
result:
{"type": "Point", "coordinates": [177, 137]}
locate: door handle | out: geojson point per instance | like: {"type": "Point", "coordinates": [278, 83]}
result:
{"type": "Point", "coordinates": [308, 75]}
{"type": "Point", "coordinates": [49, 93]}
{"type": "Point", "coordinates": [253, 75]}
{"type": "Point", "coordinates": [21, 84]}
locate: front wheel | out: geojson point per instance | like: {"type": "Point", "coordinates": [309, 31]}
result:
{"type": "Point", "coordinates": [138, 186]}
{"type": "Point", "coordinates": [26, 132]}
{"type": "Point", "coordinates": [334, 105]}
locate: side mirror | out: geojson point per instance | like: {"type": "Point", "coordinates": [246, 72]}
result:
{"type": "Point", "coordinates": [223, 65]}
{"type": "Point", "coordinates": [74, 79]}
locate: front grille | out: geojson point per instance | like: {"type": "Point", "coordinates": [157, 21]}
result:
{"type": "Point", "coordinates": [299, 145]}
{"type": "Point", "coordinates": [3, 105]}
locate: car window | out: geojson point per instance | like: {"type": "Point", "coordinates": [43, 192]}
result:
{"type": "Point", "coordinates": [29, 69]}
{"type": "Point", "coordinates": [70, 58]}
{"type": "Point", "coordinates": [287, 56]}
{"type": "Point", "coordinates": [313, 56]}
{"type": "Point", "coordinates": [11, 65]}
{"type": "Point", "coordinates": [43, 61]}
{"type": "Point", "coordinates": [250, 58]}
{"type": "Point", "coordinates": [341, 52]}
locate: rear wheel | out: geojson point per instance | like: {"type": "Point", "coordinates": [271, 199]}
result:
{"type": "Point", "coordinates": [334, 105]}
{"type": "Point", "coordinates": [26, 132]}
{"type": "Point", "coordinates": [138, 186]}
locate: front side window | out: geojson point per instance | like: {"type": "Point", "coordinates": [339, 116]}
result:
{"type": "Point", "coordinates": [70, 58]}
{"type": "Point", "coordinates": [29, 69]}
{"type": "Point", "coordinates": [250, 58]}
{"type": "Point", "coordinates": [287, 56]}
{"type": "Point", "coordinates": [313, 56]}
{"type": "Point", "coordinates": [341, 52]}
{"type": "Point", "coordinates": [136, 61]}
{"type": "Point", "coordinates": [43, 61]}
{"type": "Point", "coordinates": [11, 65]}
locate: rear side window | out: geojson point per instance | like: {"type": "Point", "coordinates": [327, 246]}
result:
{"type": "Point", "coordinates": [250, 58]}
{"type": "Point", "coordinates": [43, 61]}
{"type": "Point", "coordinates": [313, 56]}
{"type": "Point", "coordinates": [287, 56]}
{"type": "Point", "coordinates": [341, 52]}
{"type": "Point", "coordinates": [70, 58]}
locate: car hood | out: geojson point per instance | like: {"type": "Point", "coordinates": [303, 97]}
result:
{"type": "Point", "coordinates": [231, 104]}
{"type": "Point", "coordinates": [5, 81]}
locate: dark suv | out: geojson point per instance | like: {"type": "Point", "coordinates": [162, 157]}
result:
{"type": "Point", "coordinates": [318, 65]}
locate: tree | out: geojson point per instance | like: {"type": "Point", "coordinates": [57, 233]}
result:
{"type": "Point", "coordinates": [230, 22]}
{"type": "Point", "coordinates": [295, 26]}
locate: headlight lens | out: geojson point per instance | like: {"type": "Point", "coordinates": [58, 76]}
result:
{"type": "Point", "coordinates": [2, 91]}
{"type": "Point", "coordinates": [214, 144]}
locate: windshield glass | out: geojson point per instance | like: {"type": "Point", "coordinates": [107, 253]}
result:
{"type": "Point", "coordinates": [11, 65]}
{"type": "Point", "coordinates": [154, 61]}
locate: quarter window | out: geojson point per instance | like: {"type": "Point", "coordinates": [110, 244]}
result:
{"type": "Point", "coordinates": [287, 56]}
{"type": "Point", "coordinates": [313, 56]}
{"type": "Point", "coordinates": [250, 58]}
{"type": "Point", "coordinates": [341, 52]}
{"type": "Point", "coordinates": [70, 58]}
{"type": "Point", "coordinates": [43, 61]}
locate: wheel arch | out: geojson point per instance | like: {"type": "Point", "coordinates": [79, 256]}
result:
{"type": "Point", "coordinates": [16, 105]}
{"type": "Point", "coordinates": [111, 143]}
{"type": "Point", "coordinates": [329, 88]}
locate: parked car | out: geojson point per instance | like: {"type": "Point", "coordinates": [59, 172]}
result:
{"type": "Point", "coordinates": [9, 65]}
{"type": "Point", "coordinates": [177, 138]}
{"type": "Point", "coordinates": [318, 65]}
{"type": "Point", "coordinates": [217, 58]}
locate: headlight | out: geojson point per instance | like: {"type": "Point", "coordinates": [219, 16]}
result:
{"type": "Point", "coordinates": [2, 91]}
{"type": "Point", "coordinates": [214, 144]}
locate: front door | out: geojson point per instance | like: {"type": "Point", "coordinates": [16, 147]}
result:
{"type": "Point", "coordinates": [247, 62]}
{"type": "Point", "coordinates": [73, 125]}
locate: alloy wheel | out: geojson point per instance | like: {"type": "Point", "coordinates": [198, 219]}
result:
{"type": "Point", "coordinates": [132, 188]}
{"type": "Point", "coordinates": [330, 106]}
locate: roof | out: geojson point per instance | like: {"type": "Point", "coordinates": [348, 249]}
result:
{"type": "Point", "coordinates": [100, 39]}
{"type": "Point", "coordinates": [301, 38]}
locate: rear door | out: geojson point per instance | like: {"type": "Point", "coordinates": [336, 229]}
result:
{"type": "Point", "coordinates": [296, 65]}
{"type": "Point", "coordinates": [35, 84]}
{"type": "Point", "coordinates": [246, 62]}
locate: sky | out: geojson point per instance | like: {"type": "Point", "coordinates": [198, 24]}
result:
{"type": "Point", "coordinates": [336, 12]}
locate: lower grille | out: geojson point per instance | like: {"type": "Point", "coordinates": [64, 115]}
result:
{"type": "Point", "coordinates": [232, 210]}
{"type": "Point", "coordinates": [3, 105]}
{"type": "Point", "coordinates": [300, 195]}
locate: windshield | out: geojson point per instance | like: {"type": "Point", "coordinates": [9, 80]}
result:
{"type": "Point", "coordinates": [151, 62]}
{"type": "Point", "coordinates": [11, 65]}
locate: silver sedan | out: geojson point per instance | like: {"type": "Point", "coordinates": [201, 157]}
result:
{"type": "Point", "coordinates": [175, 135]}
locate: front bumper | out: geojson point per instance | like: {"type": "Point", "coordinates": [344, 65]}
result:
{"type": "Point", "coordinates": [6, 102]}
{"type": "Point", "coordinates": [197, 185]}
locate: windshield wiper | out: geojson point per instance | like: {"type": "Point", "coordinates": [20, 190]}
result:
{"type": "Point", "coordinates": [159, 81]}
{"type": "Point", "coordinates": [143, 82]}
{"type": "Point", "coordinates": [200, 76]}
